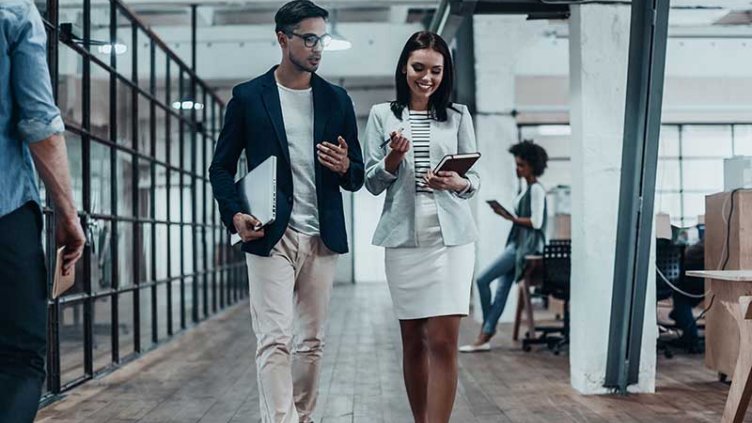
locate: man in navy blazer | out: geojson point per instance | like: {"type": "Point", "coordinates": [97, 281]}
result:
{"type": "Point", "coordinates": [309, 125]}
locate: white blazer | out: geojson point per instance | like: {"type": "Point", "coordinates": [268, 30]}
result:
{"type": "Point", "coordinates": [396, 228]}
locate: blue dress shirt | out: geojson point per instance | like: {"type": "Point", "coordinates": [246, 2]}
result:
{"type": "Point", "coordinates": [28, 113]}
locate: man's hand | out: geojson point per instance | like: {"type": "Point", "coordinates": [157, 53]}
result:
{"type": "Point", "coordinates": [245, 226]}
{"type": "Point", "coordinates": [445, 181]}
{"type": "Point", "coordinates": [334, 157]}
{"type": "Point", "coordinates": [51, 160]}
{"type": "Point", "coordinates": [68, 233]}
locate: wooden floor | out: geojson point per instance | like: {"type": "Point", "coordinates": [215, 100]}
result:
{"type": "Point", "coordinates": [207, 375]}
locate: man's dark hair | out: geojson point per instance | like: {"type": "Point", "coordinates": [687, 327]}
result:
{"type": "Point", "coordinates": [290, 15]}
{"type": "Point", "coordinates": [531, 153]}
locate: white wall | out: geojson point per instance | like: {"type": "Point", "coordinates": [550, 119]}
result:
{"type": "Point", "coordinates": [369, 259]}
{"type": "Point", "coordinates": [707, 80]}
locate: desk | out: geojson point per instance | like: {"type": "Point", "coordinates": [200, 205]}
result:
{"type": "Point", "coordinates": [741, 383]}
{"type": "Point", "coordinates": [735, 252]}
{"type": "Point", "coordinates": [723, 275]}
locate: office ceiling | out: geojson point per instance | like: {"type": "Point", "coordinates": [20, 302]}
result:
{"type": "Point", "coordinates": [261, 12]}
{"type": "Point", "coordinates": [220, 13]}
{"type": "Point", "coordinates": [244, 27]}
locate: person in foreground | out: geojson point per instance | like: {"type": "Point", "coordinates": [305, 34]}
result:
{"type": "Point", "coordinates": [426, 225]}
{"type": "Point", "coordinates": [528, 236]}
{"type": "Point", "coordinates": [30, 137]}
{"type": "Point", "coordinates": [309, 125]}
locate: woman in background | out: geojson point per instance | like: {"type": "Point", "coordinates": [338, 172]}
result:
{"type": "Point", "coordinates": [528, 236]}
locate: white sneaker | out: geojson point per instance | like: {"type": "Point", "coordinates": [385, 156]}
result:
{"type": "Point", "coordinates": [471, 348]}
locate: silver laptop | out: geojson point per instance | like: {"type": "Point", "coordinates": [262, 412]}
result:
{"type": "Point", "coordinates": [258, 193]}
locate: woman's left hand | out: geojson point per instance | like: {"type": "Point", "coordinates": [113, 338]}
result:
{"type": "Point", "coordinates": [445, 181]}
{"type": "Point", "coordinates": [502, 212]}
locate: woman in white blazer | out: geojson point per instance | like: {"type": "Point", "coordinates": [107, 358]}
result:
{"type": "Point", "coordinates": [426, 225]}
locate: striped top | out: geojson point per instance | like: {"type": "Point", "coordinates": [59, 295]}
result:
{"type": "Point", "coordinates": [420, 127]}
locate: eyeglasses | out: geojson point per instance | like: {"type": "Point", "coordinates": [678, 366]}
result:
{"type": "Point", "coordinates": [312, 40]}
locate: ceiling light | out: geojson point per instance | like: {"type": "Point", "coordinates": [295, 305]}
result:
{"type": "Point", "coordinates": [68, 35]}
{"type": "Point", "coordinates": [554, 130]}
{"type": "Point", "coordinates": [187, 105]}
{"type": "Point", "coordinates": [338, 43]}
{"type": "Point", "coordinates": [107, 49]}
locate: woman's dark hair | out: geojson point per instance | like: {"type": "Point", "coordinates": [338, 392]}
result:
{"type": "Point", "coordinates": [533, 154]}
{"type": "Point", "coordinates": [290, 15]}
{"type": "Point", "coordinates": [440, 99]}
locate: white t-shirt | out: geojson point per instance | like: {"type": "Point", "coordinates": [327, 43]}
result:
{"type": "Point", "coordinates": [297, 114]}
{"type": "Point", "coordinates": [537, 203]}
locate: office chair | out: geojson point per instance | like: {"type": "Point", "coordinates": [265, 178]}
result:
{"type": "Point", "coordinates": [668, 260]}
{"type": "Point", "coordinates": [538, 294]}
{"type": "Point", "coordinates": [556, 283]}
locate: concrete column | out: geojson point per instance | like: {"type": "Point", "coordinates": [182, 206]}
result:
{"type": "Point", "coordinates": [598, 45]}
{"type": "Point", "coordinates": [499, 42]}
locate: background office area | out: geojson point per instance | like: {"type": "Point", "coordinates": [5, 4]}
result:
{"type": "Point", "coordinates": [157, 328]}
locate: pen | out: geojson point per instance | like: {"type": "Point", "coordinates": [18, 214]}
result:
{"type": "Point", "coordinates": [389, 138]}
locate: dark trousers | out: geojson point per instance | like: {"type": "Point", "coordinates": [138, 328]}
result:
{"type": "Point", "coordinates": [682, 315]}
{"type": "Point", "coordinates": [23, 314]}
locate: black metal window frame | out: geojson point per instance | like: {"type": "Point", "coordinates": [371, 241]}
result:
{"type": "Point", "coordinates": [681, 219]}
{"type": "Point", "coordinates": [215, 281]}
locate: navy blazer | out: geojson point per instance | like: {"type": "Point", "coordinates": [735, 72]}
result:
{"type": "Point", "coordinates": [253, 121]}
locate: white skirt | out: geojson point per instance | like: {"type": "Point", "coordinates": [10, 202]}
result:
{"type": "Point", "coordinates": [432, 279]}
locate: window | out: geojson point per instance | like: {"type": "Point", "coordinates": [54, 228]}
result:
{"type": "Point", "coordinates": [690, 162]}
{"type": "Point", "coordinates": [158, 256]}
{"type": "Point", "coordinates": [690, 166]}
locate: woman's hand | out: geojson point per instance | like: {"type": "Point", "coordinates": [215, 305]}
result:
{"type": "Point", "coordinates": [501, 211]}
{"type": "Point", "coordinates": [399, 146]}
{"type": "Point", "coordinates": [445, 181]}
{"type": "Point", "coordinates": [523, 221]}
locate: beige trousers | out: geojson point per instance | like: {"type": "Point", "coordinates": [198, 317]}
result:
{"type": "Point", "coordinates": [290, 293]}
